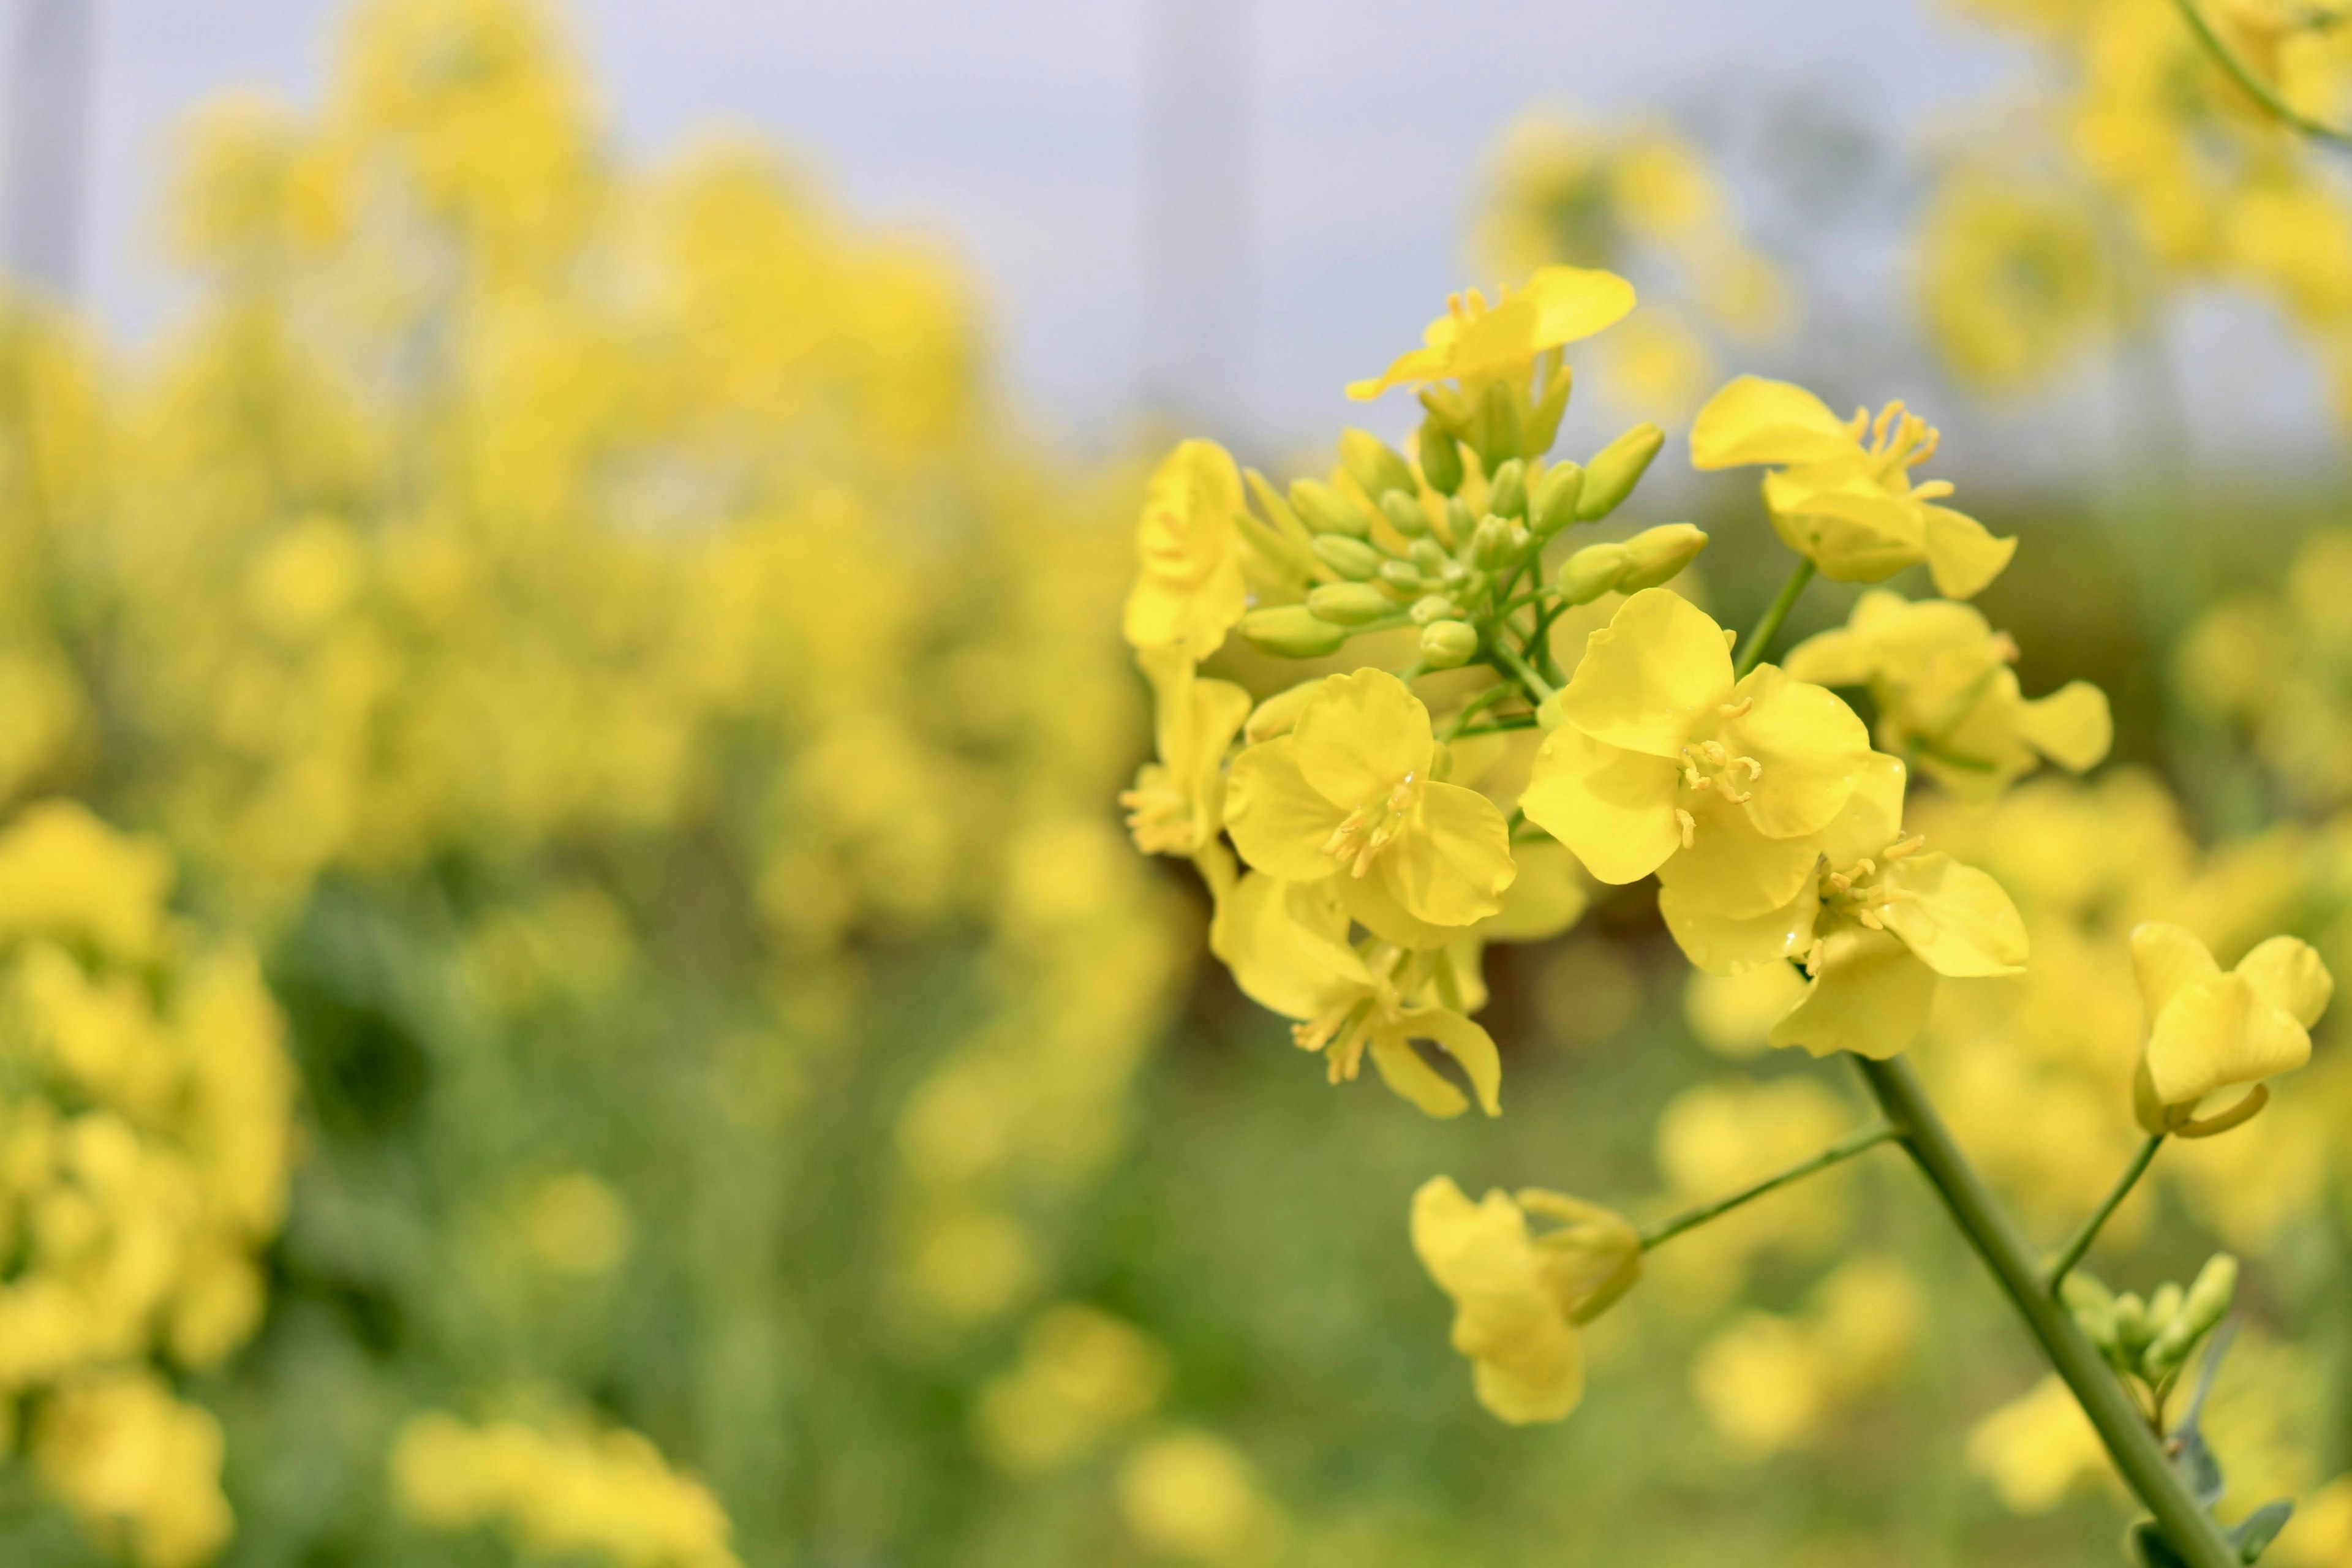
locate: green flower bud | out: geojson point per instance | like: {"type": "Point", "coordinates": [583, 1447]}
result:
{"type": "Point", "coordinates": [1374, 465]}
{"type": "Point", "coordinates": [1490, 543]}
{"type": "Point", "coordinates": [1403, 509]}
{"type": "Point", "coordinates": [1350, 603]}
{"type": "Point", "coordinates": [2163, 1307]}
{"type": "Point", "coordinates": [2132, 1328]}
{"type": "Point", "coordinates": [1448, 644]}
{"type": "Point", "coordinates": [1615, 469]}
{"type": "Point", "coordinates": [1552, 507]}
{"type": "Point", "coordinates": [1658, 553]}
{"type": "Point", "coordinates": [1496, 429]}
{"type": "Point", "coordinates": [2094, 1307]}
{"type": "Point", "coordinates": [2208, 1299]}
{"type": "Point", "coordinates": [1507, 494]}
{"type": "Point", "coordinates": [1348, 557]}
{"type": "Point", "coordinates": [1433, 607]}
{"type": "Point", "coordinates": [1404, 576]}
{"type": "Point", "coordinates": [1441, 460]}
{"type": "Point", "coordinates": [1430, 556]}
{"type": "Point", "coordinates": [1291, 631]}
{"type": "Point", "coordinates": [1458, 521]}
{"type": "Point", "coordinates": [1328, 510]}
{"type": "Point", "coordinates": [1594, 571]}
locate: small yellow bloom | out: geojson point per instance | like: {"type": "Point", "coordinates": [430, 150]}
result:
{"type": "Point", "coordinates": [1177, 803]}
{"type": "Point", "coordinates": [1847, 502]}
{"type": "Point", "coordinates": [1946, 698]}
{"type": "Point", "coordinates": [1473, 340]}
{"type": "Point", "coordinates": [1189, 591]}
{"type": "Point", "coordinates": [2209, 1032]}
{"type": "Point", "coordinates": [1519, 1299]}
{"type": "Point", "coordinates": [2035, 1449]}
{"type": "Point", "coordinates": [1663, 764]}
{"type": "Point", "coordinates": [1876, 929]}
{"type": "Point", "coordinates": [1348, 789]}
{"type": "Point", "coordinates": [1286, 943]}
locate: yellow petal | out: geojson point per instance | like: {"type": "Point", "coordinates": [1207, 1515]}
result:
{"type": "Point", "coordinates": [1870, 996]}
{"type": "Point", "coordinates": [1286, 944]}
{"type": "Point", "coordinates": [1722, 945]}
{"type": "Point", "coordinates": [1614, 809]}
{"type": "Point", "coordinates": [1401, 1069]}
{"type": "Point", "coordinates": [1732, 870]}
{"type": "Point", "coordinates": [2071, 726]}
{"type": "Point", "coordinates": [2165, 958]}
{"type": "Point", "coordinates": [1279, 821]}
{"type": "Point", "coordinates": [1373, 903]}
{"type": "Point", "coordinates": [1753, 420]}
{"type": "Point", "coordinates": [1649, 675]}
{"type": "Point", "coordinates": [1361, 736]}
{"type": "Point", "coordinates": [1189, 589]}
{"type": "Point", "coordinates": [2288, 974]}
{"type": "Point", "coordinates": [1851, 526]}
{"type": "Point", "coordinates": [1559, 305]}
{"type": "Point", "coordinates": [1811, 746]}
{"type": "Point", "coordinates": [1873, 818]}
{"type": "Point", "coordinates": [1450, 865]}
{"type": "Point", "coordinates": [1419, 365]}
{"type": "Point", "coordinates": [1961, 555]}
{"type": "Point", "coordinates": [1468, 1043]}
{"type": "Point", "coordinates": [1958, 921]}
{"type": "Point", "coordinates": [2215, 1034]}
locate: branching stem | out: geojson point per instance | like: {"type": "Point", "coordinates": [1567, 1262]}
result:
{"type": "Point", "coordinates": [2254, 86]}
{"type": "Point", "coordinates": [1855, 1142]}
{"type": "Point", "coordinates": [2097, 1222]}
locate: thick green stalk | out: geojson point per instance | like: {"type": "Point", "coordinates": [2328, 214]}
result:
{"type": "Point", "coordinates": [1860, 1140]}
{"type": "Point", "coordinates": [2098, 1221]}
{"type": "Point", "coordinates": [1751, 650]}
{"type": "Point", "coordinates": [2261, 91]}
{"type": "Point", "coordinates": [1537, 688]}
{"type": "Point", "coordinates": [2137, 1453]}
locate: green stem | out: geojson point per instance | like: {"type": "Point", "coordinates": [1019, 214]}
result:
{"type": "Point", "coordinates": [2253, 86]}
{"type": "Point", "coordinates": [1507, 723]}
{"type": "Point", "coordinates": [1751, 651]}
{"type": "Point", "coordinates": [1538, 687]}
{"type": "Point", "coordinates": [2136, 1451]}
{"type": "Point", "coordinates": [2097, 1222]}
{"type": "Point", "coordinates": [1855, 1142]}
{"type": "Point", "coordinates": [1471, 709]}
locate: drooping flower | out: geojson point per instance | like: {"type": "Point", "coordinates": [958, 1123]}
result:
{"type": "Point", "coordinates": [1558, 305]}
{"type": "Point", "coordinates": [2211, 1032]}
{"type": "Point", "coordinates": [1177, 803]}
{"type": "Point", "coordinates": [1665, 764]}
{"type": "Point", "coordinates": [1841, 491]}
{"type": "Point", "coordinates": [1876, 929]}
{"type": "Point", "coordinates": [1286, 944]}
{"type": "Point", "coordinates": [1189, 589]}
{"type": "Point", "coordinates": [1519, 1299]}
{"type": "Point", "coordinates": [1946, 698]}
{"type": "Point", "coordinates": [1347, 795]}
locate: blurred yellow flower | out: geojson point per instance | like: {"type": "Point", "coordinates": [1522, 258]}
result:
{"type": "Point", "coordinates": [1189, 589]}
{"type": "Point", "coordinates": [1177, 805]}
{"type": "Point", "coordinates": [2014, 278]}
{"type": "Point", "coordinates": [1191, 1495]}
{"type": "Point", "coordinates": [1474, 342]}
{"type": "Point", "coordinates": [140, 1465]}
{"type": "Point", "coordinates": [2033, 1450]}
{"type": "Point", "coordinates": [1083, 1375]}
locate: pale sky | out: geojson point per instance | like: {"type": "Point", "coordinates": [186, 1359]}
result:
{"type": "Point", "coordinates": [1015, 133]}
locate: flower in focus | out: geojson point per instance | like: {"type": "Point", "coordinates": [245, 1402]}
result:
{"type": "Point", "coordinates": [2209, 1032]}
{"type": "Point", "coordinates": [1946, 698]}
{"type": "Point", "coordinates": [1840, 492]}
{"type": "Point", "coordinates": [1876, 929]}
{"type": "Point", "coordinates": [1286, 943]}
{"type": "Point", "coordinates": [1474, 341]}
{"type": "Point", "coordinates": [1349, 790]}
{"type": "Point", "coordinates": [1177, 803]}
{"type": "Point", "coordinates": [1665, 764]}
{"type": "Point", "coordinates": [1519, 1299]}
{"type": "Point", "coordinates": [1189, 590]}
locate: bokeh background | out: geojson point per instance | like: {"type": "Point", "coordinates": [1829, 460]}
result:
{"type": "Point", "coordinates": [570, 984]}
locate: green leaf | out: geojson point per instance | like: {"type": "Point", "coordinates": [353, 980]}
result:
{"type": "Point", "coordinates": [2253, 1535]}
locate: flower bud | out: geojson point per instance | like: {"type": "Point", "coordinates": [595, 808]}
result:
{"type": "Point", "coordinates": [1328, 510]}
{"type": "Point", "coordinates": [1349, 604]}
{"type": "Point", "coordinates": [1507, 493]}
{"type": "Point", "coordinates": [1351, 558]}
{"type": "Point", "coordinates": [1592, 1261]}
{"type": "Point", "coordinates": [1374, 465]}
{"type": "Point", "coordinates": [1448, 644]}
{"type": "Point", "coordinates": [1552, 507]}
{"type": "Point", "coordinates": [1490, 543]}
{"type": "Point", "coordinates": [1403, 509]}
{"type": "Point", "coordinates": [2208, 1299]}
{"type": "Point", "coordinates": [1458, 521]}
{"type": "Point", "coordinates": [1291, 631]}
{"type": "Point", "coordinates": [1657, 555]}
{"type": "Point", "coordinates": [2093, 1306]}
{"type": "Point", "coordinates": [1441, 460]}
{"type": "Point", "coordinates": [1433, 607]}
{"type": "Point", "coordinates": [1615, 469]}
{"type": "Point", "coordinates": [1430, 556]}
{"type": "Point", "coordinates": [2132, 1328]}
{"type": "Point", "coordinates": [1592, 571]}
{"type": "Point", "coordinates": [1494, 426]}
{"type": "Point", "coordinates": [1404, 576]}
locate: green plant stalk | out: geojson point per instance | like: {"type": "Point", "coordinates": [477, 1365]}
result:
{"type": "Point", "coordinates": [2098, 1221]}
{"type": "Point", "coordinates": [1855, 1142]}
{"type": "Point", "coordinates": [2261, 91]}
{"type": "Point", "coordinates": [2137, 1453]}
{"type": "Point", "coordinates": [1752, 647]}
{"type": "Point", "coordinates": [1537, 686]}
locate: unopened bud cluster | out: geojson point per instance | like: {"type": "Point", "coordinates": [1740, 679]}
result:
{"type": "Point", "coordinates": [2152, 1339]}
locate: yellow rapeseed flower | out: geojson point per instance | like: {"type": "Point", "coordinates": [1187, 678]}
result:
{"type": "Point", "coordinates": [1519, 1299]}
{"type": "Point", "coordinates": [1474, 341]}
{"type": "Point", "coordinates": [1665, 764]}
{"type": "Point", "coordinates": [1178, 802]}
{"type": "Point", "coordinates": [2209, 1032]}
{"type": "Point", "coordinates": [1349, 790]}
{"type": "Point", "coordinates": [1841, 491]}
{"type": "Point", "coordinates": [1189, 589]}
